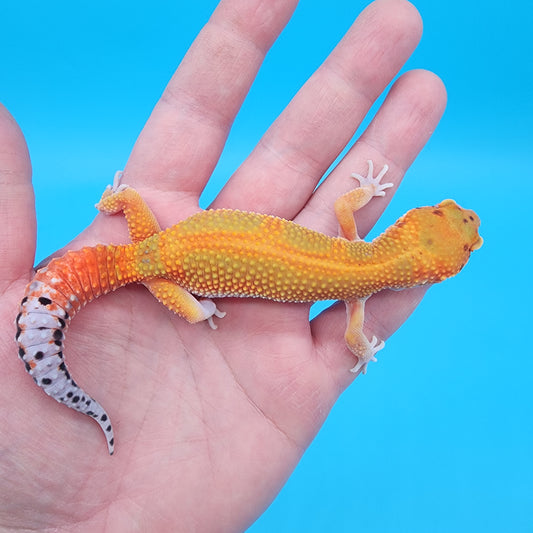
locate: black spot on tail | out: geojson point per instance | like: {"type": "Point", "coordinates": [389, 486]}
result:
{"type": "Point", "coordinates": [63, 368]}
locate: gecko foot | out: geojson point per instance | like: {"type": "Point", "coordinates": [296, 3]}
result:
{"type": "Point", "coordinates": [211, 310]}
{"type": "Point", "coordinates": [374, 346]}
{"type": "Point", "coordinates": [110, 190]}
{"type": "Point", "coordinates": [117, 186]}
{"type": "Point", "coordinates": [374, 183]}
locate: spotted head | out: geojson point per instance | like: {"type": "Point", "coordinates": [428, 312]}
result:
{"type": "Point", "coordinates": [447, 234]}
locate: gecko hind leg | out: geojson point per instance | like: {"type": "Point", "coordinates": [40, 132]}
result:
{"type": "Point", "coordinates": [139, 217]}
{"type": "Point", "coordinates": [141, 225]}
{"type": "Point", "coordinates": [183, 303]}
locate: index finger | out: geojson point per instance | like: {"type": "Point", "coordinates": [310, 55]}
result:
{"type": "Point", "coordinates": [183, 138]}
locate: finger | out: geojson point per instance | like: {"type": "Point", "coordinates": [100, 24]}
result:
{"type": "Point", "coordinates": [400, 129]}
{"type": "Point", "coordinates": [17, 209]}
{"type": "Point", "coordinates": [283, 170]}
{"type": "Point", "coordinates": [385, 312]}
{"type": "Point", "coordinates": [182, 140]}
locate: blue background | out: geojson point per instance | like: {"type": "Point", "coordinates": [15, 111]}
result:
{"type": "Point", "coordinates": [438, 436]}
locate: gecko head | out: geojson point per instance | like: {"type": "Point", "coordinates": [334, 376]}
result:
{"type": "Point", "coordinates": [447, 235]}
{"type": "Point", "coordinates": [463, 224]}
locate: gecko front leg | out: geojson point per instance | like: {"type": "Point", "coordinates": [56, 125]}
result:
{"type": "Point", "coordinates": [365, 350]}
{"type": "Point", "coordinates": [347, 204]}
{"type": "Point", "coordinates": [370, 186]}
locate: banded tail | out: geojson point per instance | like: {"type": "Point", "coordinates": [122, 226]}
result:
{"type": "Point", "coordinates": [51, 300]}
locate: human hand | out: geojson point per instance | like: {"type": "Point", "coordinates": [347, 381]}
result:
{"type": "Point", "coordinates": [208, 424]}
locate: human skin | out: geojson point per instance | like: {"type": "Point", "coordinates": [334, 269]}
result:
{"type": "Point", "coordinates": [209, 424]}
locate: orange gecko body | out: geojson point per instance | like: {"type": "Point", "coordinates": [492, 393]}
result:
{"type": "Point", "coordinates": [233, 253]}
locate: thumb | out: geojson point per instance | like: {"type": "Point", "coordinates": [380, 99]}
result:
{"type": "Point", "coordinates": [17, 209]}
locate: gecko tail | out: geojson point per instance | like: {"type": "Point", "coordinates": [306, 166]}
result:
{"type": "Point", "coordinates": [44, 316]}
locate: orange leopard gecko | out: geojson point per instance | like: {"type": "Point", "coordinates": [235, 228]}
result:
{"type": "Point", "coordinates": [224, 252]}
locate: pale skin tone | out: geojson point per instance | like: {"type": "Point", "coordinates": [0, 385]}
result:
{"type": "Point", "coordinates": [208, 424]}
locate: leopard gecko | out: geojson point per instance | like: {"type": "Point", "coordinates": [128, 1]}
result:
{"type": "Point", "coordinates": [223, 252]}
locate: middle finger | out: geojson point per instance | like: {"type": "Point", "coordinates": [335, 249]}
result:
{"type": "Point", "coordinates": [283, 170]}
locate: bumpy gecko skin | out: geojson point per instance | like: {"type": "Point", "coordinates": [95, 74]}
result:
{"type": "Point", "coordinates": [220, 253]}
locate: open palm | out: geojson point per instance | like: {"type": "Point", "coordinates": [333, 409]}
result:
{"type": "Point", "coordinates": [208, 424]}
